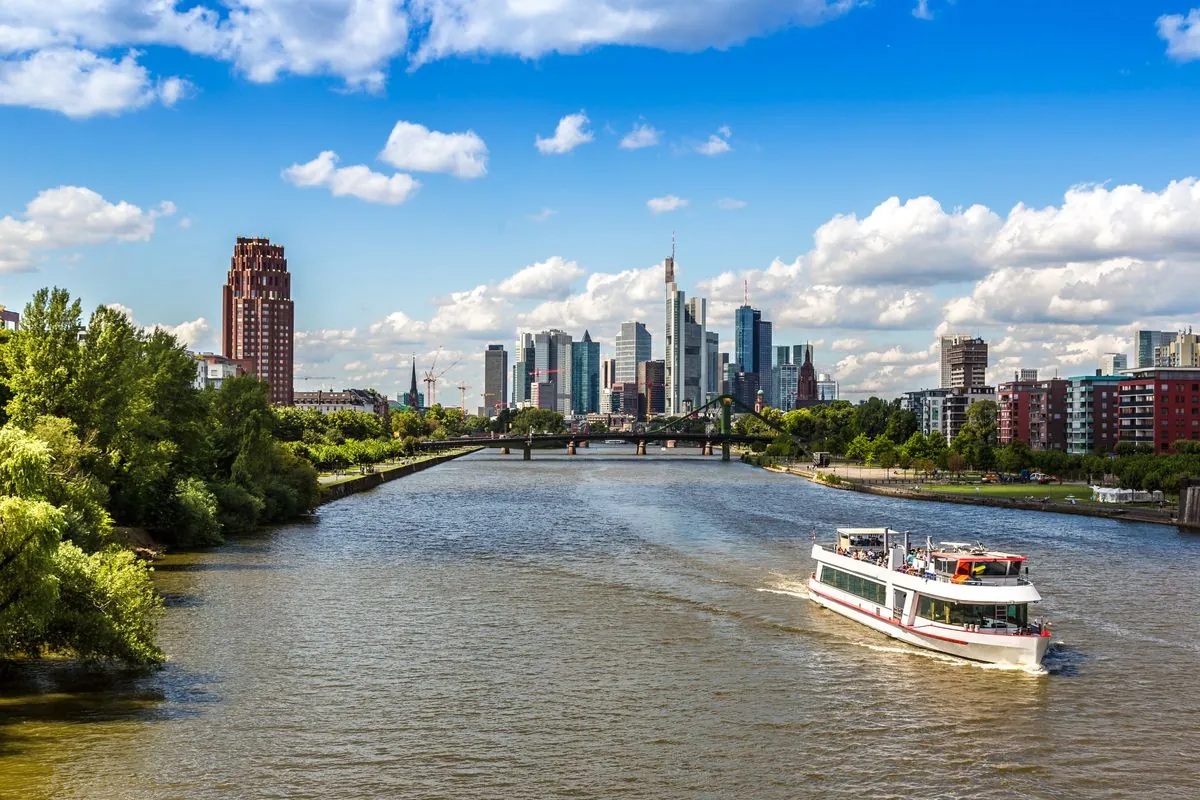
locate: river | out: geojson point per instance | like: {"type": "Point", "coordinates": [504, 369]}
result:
{"type": "Point", "coordinates": [612, 626]}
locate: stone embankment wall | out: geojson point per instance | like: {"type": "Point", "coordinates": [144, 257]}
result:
{"type": "Point", "coordinates": [369, 481]}
{"type": "Point", "coordinates": [1189, 507]}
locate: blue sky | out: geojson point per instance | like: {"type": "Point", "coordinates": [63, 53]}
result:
{"type": "Point", "coordinates": [829, 109]}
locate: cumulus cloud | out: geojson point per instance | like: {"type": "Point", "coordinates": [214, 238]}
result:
{"type": "Point", "coordinates": [189, 334]}
{"type": "Point", "coordinates": [543, 279]}
{"type": "Point", "coordinates": [70, 216]}
{"type": "Point", "coordinates": [717, 143]}
{"type": "Point", "coordinates": [356, 40]}
{"type": "Point", "coordinates": [660, 205]}
{"type": "Point", "coordinates": [570, 132]}
{"type": "Point", "coordinates": [320, 346]}
{"type": "Point", "coordinates": [641, 136]}
{"type": "Point", "coordinates": [476, 314]}
{"type": "Point", "coordinates": [399, 328]}
{"type": "Point", "coordinates": [80, 83]}
{"type": "Point", "coordinates": [922, 10]}
{"type": "Point", "coordinates": [849, 344]}
{"type": "Point", "coordinates": [358, 181]}
{"type": "Point", "coordinates": [1182, 35]}
{"type": "Point", "coordinates": [606, 300]}
{"type": "Point", "coordinates": [532, 28]}
{"type": "Point", "coordinates": [414, 147]}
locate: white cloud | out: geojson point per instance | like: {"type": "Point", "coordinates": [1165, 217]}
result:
{"type": "Point", "coordinates": [715, 146]}
{"type": "Point", "coordinates": [189, 334]}
{"type": "Point", "coordinates": [542, 215]}
{"type": "Point", "coordinates": [185, 222]}
{"type": "Point", "coordinates": [849, 344]}
{"type": "Point", "coordinates": [922, 10]}
{"type": "Point", "coordinates": [1182, 35]}
{"type": "Point", "coordinates": [570, 132]}
{"type": "Point", "coordinates": [473, 315]}
{"type": "Point", "coordinates": [357, 181]}
{"type": "Point", "coordinates": [320, 346]}
{"type": "Point", "coordinates": [543, 279]}
{"type": "Point", "coordinates": [415, 147]}
{"type": "Point", "coordinates": [532, 28]}
{"type": "Point", "coordinates": [80, 83]}
{"type": "Point", "coordinates": [399, 328]}
{"type": "Point", "coordinates": [607, 300]}
{"type": "Point", "coordinates": [730, 204]}
{"type": "Point", "coordinates": [670, 202]}
{"type": "Point", "coordinates": [69, 216]}
{"type": "Point", "coordinates": [357, 40]}
{"type": "Point", "coordinates": [641, 136]}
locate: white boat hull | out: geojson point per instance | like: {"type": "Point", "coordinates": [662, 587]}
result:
{"type": "Point", "coordinates": [990, 648]}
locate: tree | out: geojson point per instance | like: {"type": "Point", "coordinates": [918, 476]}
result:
{"type": "Point", "coordinates": [860, 448]}
{"type": "Point", "coordinates": [902, 424]}
{"type": "Point", "coordinates": [409, 423]}
{"type": "Point", "coordinates": [41, 357]}
{"type": "Point", "coordinates": [538, 420]}
{"type": "Point", "coordinates": [871, 417]}
{"type": "Point", "coordinates": [955, 463]}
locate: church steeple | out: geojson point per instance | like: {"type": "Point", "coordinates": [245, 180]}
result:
{"type": "Point", "coordinates": [414, 399]}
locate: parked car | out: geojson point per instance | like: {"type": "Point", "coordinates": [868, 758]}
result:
{"type": "Point", "coordinates": [991, 477]}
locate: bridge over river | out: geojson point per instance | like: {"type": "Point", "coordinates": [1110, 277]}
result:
{"type": "Point", "coordinates": [721, 436]}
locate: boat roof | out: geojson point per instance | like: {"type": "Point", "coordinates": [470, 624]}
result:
{"type": "Point", "coordinates": [976, 552]}
{"type": "Point", "coordinates": [865, 531]}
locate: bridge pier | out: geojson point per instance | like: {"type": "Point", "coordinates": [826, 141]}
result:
{"type": "Point", "coordinates": [503, 451]}
{"type": "Point", "coordinates": [528, 454]}
{"type": "Point", "coordinates": [641, 451]}
{"type": "Point", "coordinates": [707, 449]}
{"type": "Point", "coordinates": [571, 448]}
{"type": "Point", "coordinates": [724, 451]}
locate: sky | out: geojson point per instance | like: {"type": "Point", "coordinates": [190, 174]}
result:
{"type": "Point", "coordinates": [446, 173]}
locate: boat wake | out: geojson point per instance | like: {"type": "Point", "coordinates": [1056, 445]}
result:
{"type": "Point", "coordinates": [796, 591]}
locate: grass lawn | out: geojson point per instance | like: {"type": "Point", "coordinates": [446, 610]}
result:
{"type": "Point", "coordinates": [1018, 490]}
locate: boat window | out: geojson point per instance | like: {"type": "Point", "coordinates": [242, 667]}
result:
{"type": "Point", "coordinates": [985, 616]}
{"type": "Point", "coordinates": [990, 569]}
{"type": "Point", "coordinates": [856, 585]}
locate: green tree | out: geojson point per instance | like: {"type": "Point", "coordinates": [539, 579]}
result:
{"type": "Point", "coordinates": [409, 423]}
{"type": "Point", "coordinates": [860, 448]}
{"type": "Point", "coordinates": [539, 420]}
{"type": "Point", "coordinates": [871, 417]}
{"type": "Point", "coordinates": [902, 424]}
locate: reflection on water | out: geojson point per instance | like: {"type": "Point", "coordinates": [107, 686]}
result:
{"type": "Point", "coordinates": [604, 626]}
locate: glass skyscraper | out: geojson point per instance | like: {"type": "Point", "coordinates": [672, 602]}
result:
{"type": "Point", "coordinates": [585, 376]}
{"type": "Point", "coordinates": [633, 347]}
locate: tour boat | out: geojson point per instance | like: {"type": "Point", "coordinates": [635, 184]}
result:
{"type": "Point", "coordinates": [959, 599]}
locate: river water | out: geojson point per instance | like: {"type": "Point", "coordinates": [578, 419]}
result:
{"type": "Point", "coordinates": [612, 626]}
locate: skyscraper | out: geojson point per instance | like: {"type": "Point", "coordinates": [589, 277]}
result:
{"type": "Point", "coordinates": [633, 347]}
{"type": "Point", "coordinates": [1147, 341]}
{"type": "Point", "coordinates": [257, 315]}
{"type": "Point", "coordinates": [712, 361]}
{"type": "Point", "coordinates": [695, 331]}
{"type": "Point", "coordinates": [550, 377]}
{"type": "Point", "coordinates": [802, 352]}
{"type": "Point", "coordinates": [1114, 364]}
{"type": "Point", "coordinates": [752, 347]}
{"type": "Point", "coordinates": [585, 376]}
{"type": "Point", "coordinates": [745, 347]}
{"type": "Point", "coordinates": [686, 368]}
{"type": "Point", "coordinates": [495, 379]}
{"type": "Point", "coordinates": [766, 382]}
{"type": "Point", "coordinates": [783, 354]}
{"type": "Point", "coordinates": [522, 382]}
{"type": "Point", "coordinates": [673, 336]}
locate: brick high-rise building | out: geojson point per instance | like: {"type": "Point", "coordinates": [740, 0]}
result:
{"type": "Point", "coordinates": [257, 315]}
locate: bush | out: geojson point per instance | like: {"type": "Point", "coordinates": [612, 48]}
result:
{"type": "Point", "coordinates": [238, 509]}
{"type": "Point", "coordinates": [196, 515]}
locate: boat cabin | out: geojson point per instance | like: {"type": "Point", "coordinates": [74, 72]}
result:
{"type": "Point", "coordinates": [958, 562]}
{"type": "Point", "coordinates": [874, 540]}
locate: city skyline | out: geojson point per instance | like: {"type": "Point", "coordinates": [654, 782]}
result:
{"type": "Point", "coordinates": [1006, 226]}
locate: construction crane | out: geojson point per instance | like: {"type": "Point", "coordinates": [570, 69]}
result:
{"type": "Point", "coordinates": [431, 379]}
{"type": "Point", "coordinates": [462, 396]}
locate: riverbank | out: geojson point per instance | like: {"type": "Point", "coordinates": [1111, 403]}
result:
{"type": "Point", "coordinates": [1137, 514]}
{"type": "Point", "coordinates": [362, 483]}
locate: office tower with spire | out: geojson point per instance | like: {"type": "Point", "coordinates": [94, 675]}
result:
{"type": "Point", "coordinates": [752, 346]}
{"type": "Point", "coordinates": [685, 367]}
{"type": "Point", "coordinates": [257, 315]}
